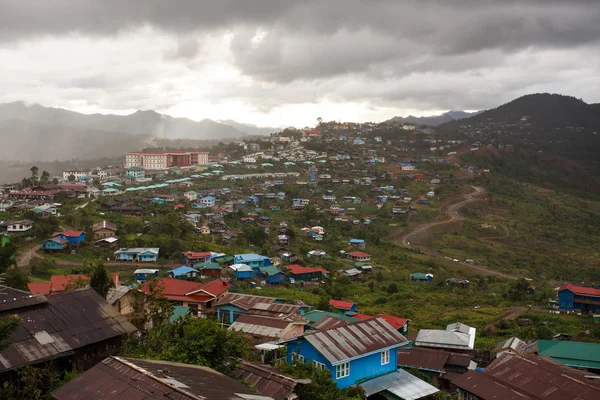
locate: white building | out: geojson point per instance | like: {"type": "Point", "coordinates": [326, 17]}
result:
{"type": "Point", "coordinates": [77, 173]}
{"type": "Point", "coordinates": [17, 226]}
{"type": "Point", "coordinates": [250, 158]}
{"type": "Point", "coordinates": [409, 127]}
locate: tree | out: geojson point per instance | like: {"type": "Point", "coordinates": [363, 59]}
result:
{"type": "Point", "coordinates": [321, 387]}
{"type": "Point", "coordinates": [34, 172]}
{"type": "Point", "coordinates": [392, 288]}
{"type": "Point", "coordinates": [7, 256]}
{"type": "Point", "coordinates": [16, 278]}
{"type": "Point", "coordinates": [100, 280]}
{"type": "Point", "coordinates": [45, 177]}
{"type": "Point", "coordinates": [150, 306]}
{"type": "Point", "coordinates": [43, 269]}
{"type": "Point", "coordinates": [76, 283]}
{"type": "Point", "coordinates": [190, 340]}
{"type": "Point", "coordinates": [71, 178]}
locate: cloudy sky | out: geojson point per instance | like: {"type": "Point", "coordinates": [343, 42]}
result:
{"type": "Point", "coordinates": [279, 62]}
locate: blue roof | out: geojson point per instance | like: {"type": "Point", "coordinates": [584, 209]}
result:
{"type": "Point", "coordinates": [208, 198]}
{"type": "Point", "coordinates": [182, 270]}
{"type": "Point", "coordinates": [244, 258]}
{"type": "Point", "coordinates": [357, 240]}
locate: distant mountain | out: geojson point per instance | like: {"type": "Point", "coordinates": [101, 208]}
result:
{"type": "Point", "coordinates": [249, 128]}
{"type": "Point", "coordinates": [27, 141]}
{"type": "Point", "coordinates": [542, 110]}
{"type": "Point", "coordinates": [148, 123]}
{"type": "Point", "coordinates": [435, 120]}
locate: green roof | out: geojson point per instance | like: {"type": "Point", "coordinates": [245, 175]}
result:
{"type": "Point", "coordinates": [314, 316]}
{"type": "Point", "coordinates": [207, 265]}
{"type": "Point", "coordinates": [270, 270]}
{"type": "Point", "coordinates": [223, 259]}
{"type": "Point", "coordinates": [179, 311]}
{"type": "Point", "coordinates": [418, 275]}
{"type": "Point", "coordinates": [576, 354]}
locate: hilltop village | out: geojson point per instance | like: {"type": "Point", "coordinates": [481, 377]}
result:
{"type": "Point", "coordinates": [294, 265]}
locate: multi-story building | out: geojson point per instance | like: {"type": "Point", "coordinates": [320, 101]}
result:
{"type": "Point", "coordinates": [77, 173]}
{"type": "Point", "coordinates": [165, 159]}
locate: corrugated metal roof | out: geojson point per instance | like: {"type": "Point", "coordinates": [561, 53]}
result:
{"type": "Point", "coordinates": [266, 380]}
{"type": "Point", "coordinates": [514, 376]}
{"type": "Point", "coordinates": [134, 379]}
{"type": "Point", "coordinates": [244, 301]}
{"type": "Point", "coordinates": [328, 322]}
{"type": "Point", "coordinates": [355, 339]}
{"type": "Point", "coordinates": [68, 321]}
{"type": "Point", "coordinates": [12, 299]}
{"type": "Point", "coordinates": [401, 384]}
{"type": "Point", "coordinates": [258, 325]}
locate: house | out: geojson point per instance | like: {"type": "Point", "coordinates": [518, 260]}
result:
{"type": "Point", "coordinates": [185, 273]}
{"type": "Point", "coordinates": [207, 201]}
{"type": "Point", "coordinates": [440, 366]}
{"type": "Point", "coordinates": [457, 336]}
{"type": "Point", "coordinates": [268, 381]}
{"type": "Point", "coordinates": [358, 256]}
{"type": "Point", "coordinates": [461, 283]}
{"type": "Point", "coordinates": [341, 307]}
{"type": "Point", "coordinates": [423, 201]}
{"type": "Point", "coordinates": [272, 274]}
{"type": "Point", "coordinates": [357, 243]}
{"type": "Point", "coordinates": [352, 273]}
{"type": "Point", "coordinates": [143, 274]}
{"type": "Point", "coordinates": [421, 277]}
{"type": "Point", "coordinates": [109, 242]}
{"type": "Point", "coordinates": [353, 354]}
{"type": "Point", "coordinates": [118, 378]}
{"type": "Point", "coordinates": [104, 229]}
{"type": "Point", "coordinates": [204, 230]}
{"type": "Point", "coordinates": [54, 244]}
{"type": "Point", "coordinates": [74, 329]}
{"type": "Point", "coordinates": [398, 323]}
{"type": "Point", "coordinates": [581, 355]}
{"type": "Point", "coordinates": [252, 260]}
{"type": "Point", "coordinates": [200, 297]}
{"type": "Point", "coordinates": [191, 195]}
{"type": "Point", "coordinates": [242, 271]}
{"type": "Point", "coordinates": [514, 376]}
{"type": "Point", "coordinates": [70, 236]}
{"type": "Point", "coordinates": [122, 298]}
{"type": "Point", "coordinates": [232, 305]}
{"type": "Point", "coordinates": [209, 269]}
{"type": "Point", "coordinates": [585, 299]}
{"type": "Point", "coordinates": [16, 226]}
{"type": "Point", "coordinates": [300, 273]}
{"type": "Point", "coordinates": [138, 254]}
{"type": "Point", "coordinates": [56, 284]}
{"type": "Point", "coordinates": [263, 328]}
{"type": "Point", "coordinates": [194, 257]}
{"type": "Point", "coordinates": [283, 240]}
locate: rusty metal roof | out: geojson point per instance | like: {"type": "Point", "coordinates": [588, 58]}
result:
{"type": "Point", "coordinates": [266, 380]}
{"type": "Point", "coordinates": [66, 322]}
{"type": "Point", "coordinates": [134, 379]}
{"type": "Point", "coordinates": [514, 376]}
{"type": "Point", "coordinates": [354, 340]}
{"type": "Point", "coordinates": [259, 325]}
{"type": "Point", "coordinates": [244, 301]}
{"type": "Point", "coordinates": [433, 360]}
{"type": "Point", "coordinates": [328, 322]}
{"type": "Point", "coordinates": [12, 299]}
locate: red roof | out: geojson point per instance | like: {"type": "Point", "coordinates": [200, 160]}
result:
{"type": "Point", "coordinates": [342, 305]}
{"type": "Point", "coordinates": [55, 285]}
{"type": "Point", "coordinates": [179, 205]}
{"type": "Point", "coordinates": [299, 269]}
{"type": "Point", "coordinates": [359, 254]}
{"type": "Point", "coordinates": [68, 233]}
{"type": "Point", "coordinates": [197, 254]}
{"type": "Point", "coordinates": [172, 288]}
{"type": "Point", "coordinates": [395, 322]}
{"type": "Point", "coordinates": [586, 291]}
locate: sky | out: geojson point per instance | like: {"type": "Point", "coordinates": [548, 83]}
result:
{"type": "Point", "coordinates": [282, 63]}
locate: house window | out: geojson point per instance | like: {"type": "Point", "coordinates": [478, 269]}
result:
{"type": "Point", "coordinates": [318, 365]}
{"type": "Point", "coordinates": [342, 370]}
{"type": "Point", "coordinates": [385, 357]}
{"type": "Point", "coordinates": [298, 357]}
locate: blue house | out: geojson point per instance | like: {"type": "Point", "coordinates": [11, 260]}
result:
{"type": "Point", "coordinates": [354, 353]}
{"type": "Point", "coordinates": [232, 305]}
{"type": "Point", "coordinates": [422, 201]}
{"type": "Point", "coordinates": [252, 260]}
{"type": "Point", "coordinates": [143, 274]}
{"type": "Point", "coordinates": [184, 272]}
{"type": "Point", "coordinates": [242, 271]}
{"type": "Point", "coordinates": [70, 236]}
{"type": "Point", "coordinates": [573, 297]}
{"type": "Point", "coordinates": [54, 244]}
{"type": "Point", "coordinates": [138, 254]}
{"type": "Point", "coordinates": [272, 275]}
{"type": "Point", "coordinates": [357, 243]}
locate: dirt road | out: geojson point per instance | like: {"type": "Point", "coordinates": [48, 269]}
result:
{"type": "Point", "coordinates": [452, 216]}
{"type": "Point", "coordinates": [29, 253]}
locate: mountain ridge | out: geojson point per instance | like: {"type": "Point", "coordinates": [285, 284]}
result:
{"type": "Point", "coordinates": [435, 120]}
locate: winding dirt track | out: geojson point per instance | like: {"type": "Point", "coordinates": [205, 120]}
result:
{"type": "Point", "coordinates": [452, 216]}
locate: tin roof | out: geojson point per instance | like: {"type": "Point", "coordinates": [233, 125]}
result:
{"type": "Point", "coordinates": [104, 225]}
{"type": "Point", "coordinates": [266, 380]}
{"type": "Point", "coordinates": [516, 345]}
{"type": "Point", "coordinates": [574, 354]}
{"type": "Point", "coordinates": [342, 305]}
{"type": "Point", "coordinates": [456, 336]}
{"type": "Point", "coordinates": [244, 301]}
{"type": "Point", "coordinates": [134, 379]}
{"type": "Point", "coordinates": [582, 290]}
{"type": "Point", "coordinates": [66, 322]}
{"type": "Point", "coordinates": [400, 384]}
{"type": "Point", "coordinates": [328, 322]}
{"type": "Point", "coordinates": [260, 325]}
{"type": "Point", "coordinates": [13, 299]}
{"type": "Point", "coordinates": [513, 376]}
{"type": "Point", "coordinates": [355, 339]}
